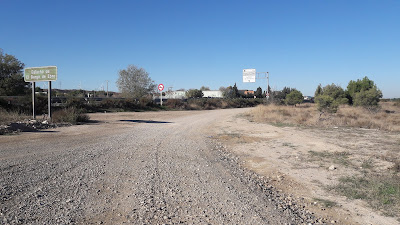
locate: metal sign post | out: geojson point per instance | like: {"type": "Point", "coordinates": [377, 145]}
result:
{"type": "Point", "coordinates": [49, 101]}
{"type": "Point", "coordinates": [35, 74]}
{"type": "Point", "coordinates": [33, 100]}
{"type": "Point", "coordinates": [161, 88]}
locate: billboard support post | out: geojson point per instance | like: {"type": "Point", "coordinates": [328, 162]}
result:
{"type": "Point", "coordinates": [33, 100]}
{"type": "Point", "coordinates": [49, 101]}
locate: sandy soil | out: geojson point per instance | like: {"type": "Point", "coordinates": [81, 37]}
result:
{"type": "Point", "coordinates": [284, 155]}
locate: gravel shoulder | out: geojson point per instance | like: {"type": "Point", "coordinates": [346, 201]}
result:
{"type": "Point", "coordinates": [137, 168]}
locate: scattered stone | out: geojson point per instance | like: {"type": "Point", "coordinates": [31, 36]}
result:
{"type": "Point", "coordinates": [332, 167]}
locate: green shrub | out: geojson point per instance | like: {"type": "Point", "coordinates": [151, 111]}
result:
{"type": "Point", "coordinates": [294, 97]}
{"type": "Point", "coordinates": [330, 97]}
{"type": "Point", "coordinates": [326, 103]}
{"type": "Point", "coordinates": [363, 93]}
{"type": "Point", "coordinates": [367, 98]}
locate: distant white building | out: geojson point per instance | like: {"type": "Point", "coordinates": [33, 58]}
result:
{"type": "Point", "coordinates": [182, 94]}
{"type": "Point", "coordinates": [175, 95]}
{"type": "Point", "coordinates": [212, 94]}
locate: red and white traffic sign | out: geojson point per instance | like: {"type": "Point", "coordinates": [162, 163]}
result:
{"type": "Point", "coordinates": [161, 87]}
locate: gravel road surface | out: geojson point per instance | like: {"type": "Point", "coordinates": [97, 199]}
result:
{"type": "Point", "coordinates": [138, 168]}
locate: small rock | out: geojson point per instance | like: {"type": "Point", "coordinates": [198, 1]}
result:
{"type": "Point", "coordinates": [332, 167]}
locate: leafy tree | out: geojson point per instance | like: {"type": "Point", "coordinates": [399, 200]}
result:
{"type": "Point", "coordinates": [278, 97]}
{"type": "Point", "coordinates": [318, 91]}
{"type": "Point", "coordinates": [135, 82]}
{"type": "Point", "coordinates": [336, 92]}
{"type": "Point", "coordinates": [227, 92]}
{"type": "Point", "coordinates": [330, 97]}
{"type": "Point", "coordinates": [326, 103]}
{"type": "Point", "coordinates": [194, 93]}
{"type": "Point", "coordinates": [363, 93]}
{"type": "Point", "coordinates": [367, 98]}
{"type": "Point", "coordinates": [259, 93]}
{"type": "Point", "coordinates": [11, 76]}
{"type": "Point", "coordinates": [235, 91]}
{"type": "Point", "coordinates": [230, 92]}
{"type": "Point", "coordinates": [203, 88]}
{"type": "Point", "coordinates": [294, 97]}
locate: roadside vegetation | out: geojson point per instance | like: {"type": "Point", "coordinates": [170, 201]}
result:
{"type": "Point", "coordinates": [7, 117]}
{"type": "Point", "coordinates": [69, 115]}
{"type": "Point", "coordinates": [386, 117]}
{"type": "Point", "coordinates": [380, 190]}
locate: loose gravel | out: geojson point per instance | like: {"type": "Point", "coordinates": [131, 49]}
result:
{"type": "Point", "coordinates": [153, 172]}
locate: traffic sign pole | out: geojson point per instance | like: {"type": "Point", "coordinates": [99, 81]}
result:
{"type": "Point", "coordinates": [161, 88]}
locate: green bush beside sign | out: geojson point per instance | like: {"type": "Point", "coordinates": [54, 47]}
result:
{"type": "Point", "coordinates": [36, 74]}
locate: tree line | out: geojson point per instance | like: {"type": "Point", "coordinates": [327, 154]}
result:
{"type": "Point", "coordinates": [135, 82]}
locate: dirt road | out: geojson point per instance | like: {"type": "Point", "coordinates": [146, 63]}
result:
{"type": "Point", "coordinates": [139, 168]}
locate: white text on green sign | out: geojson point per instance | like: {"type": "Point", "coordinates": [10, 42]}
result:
{"type": "Point", "coordinates": [46, 73]}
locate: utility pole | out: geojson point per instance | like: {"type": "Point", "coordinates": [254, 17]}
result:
{"type": "Point", "coordinates": [266, 76]}
{"type": "Point", "coordinates": [107, 88]}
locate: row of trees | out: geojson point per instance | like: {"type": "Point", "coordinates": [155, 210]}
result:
{"type": "Point", "coordinates": [362, 92]}
{"type": "Point", "coordinates": [134, 82]}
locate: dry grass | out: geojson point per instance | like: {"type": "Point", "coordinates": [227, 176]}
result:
{"type": "Point", "coordinates": [11, 117]}
{"type": "Point", "coordinates": [386, 118]}
{"type": "Point", "coordinates": [238, 138]}
{"type": "Point", "coordinates": [69, 115]}
{"type": "Point", "coordinates": [381, 191]}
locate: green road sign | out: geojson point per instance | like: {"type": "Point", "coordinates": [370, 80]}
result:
{"type": "Point", "coordinates": [36, 74]}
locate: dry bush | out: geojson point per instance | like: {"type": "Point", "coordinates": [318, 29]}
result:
{"type": "Point", "coordinates": [175, 103]}
{"type": "Point", "coordinates": [386, 118]}
{"type": "Point", "coordinates": [69, 115]}
{"type": "Point", "coordinates": [7, 117]}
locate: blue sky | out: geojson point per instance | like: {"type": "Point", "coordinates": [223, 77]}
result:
{"type": "Point", "coordinates": [189, 44]}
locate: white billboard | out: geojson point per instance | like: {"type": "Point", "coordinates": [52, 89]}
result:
{"type": "Point", "coordinates": [249, 75]}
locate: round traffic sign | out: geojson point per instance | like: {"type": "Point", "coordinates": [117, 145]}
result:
{"type": "Point", "coordinates": [161, 87]}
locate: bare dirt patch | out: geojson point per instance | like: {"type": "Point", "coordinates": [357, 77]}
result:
{"type": "Point", "coordinates": [323, 165]}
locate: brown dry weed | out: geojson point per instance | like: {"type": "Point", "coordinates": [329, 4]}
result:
{"type": "Point", "coordinates": [386, 118]}
{"type": "Point", "coordinates": [11, 117]}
